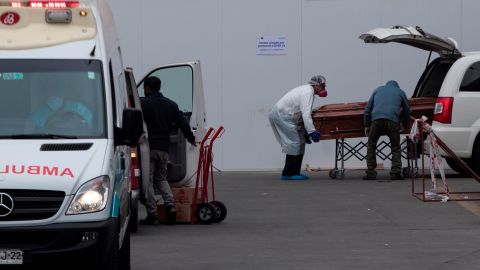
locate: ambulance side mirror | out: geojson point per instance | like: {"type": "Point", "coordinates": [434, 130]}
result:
{"type": "Point", "coordinates": [132, 127]}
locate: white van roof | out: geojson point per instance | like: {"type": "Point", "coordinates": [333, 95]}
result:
{"type": "Point", "coordinates": [39, 24]}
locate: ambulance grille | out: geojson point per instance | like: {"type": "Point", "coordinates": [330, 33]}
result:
{"type": "Point", "coordinates": [66, 147]}
{"type": "Point", "coordinates": [32, 204]}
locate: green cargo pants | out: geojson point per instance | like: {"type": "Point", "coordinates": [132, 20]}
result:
{"type": "Point", "coordinates": [391, 129]}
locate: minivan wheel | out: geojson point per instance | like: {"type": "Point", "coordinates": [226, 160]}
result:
{"type": "Point", "coordinates": [475, 161]}
{"type": "Point", "coordinates": [454, 166]}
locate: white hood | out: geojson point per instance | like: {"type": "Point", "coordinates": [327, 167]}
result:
{"type": "Point", "coordinates": [24, 164]}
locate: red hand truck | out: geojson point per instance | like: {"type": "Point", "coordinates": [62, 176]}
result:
{"type": "Point", "coordinates": [205, 212]}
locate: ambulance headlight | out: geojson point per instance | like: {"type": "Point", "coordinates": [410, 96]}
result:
{"type": "Point", "coordinates": [91, 197]}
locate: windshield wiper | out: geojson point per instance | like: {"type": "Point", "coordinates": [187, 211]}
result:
{"type": "Point", "coordinates": [38, 136]}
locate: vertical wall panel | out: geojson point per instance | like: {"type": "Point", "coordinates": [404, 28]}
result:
{"type": "Point", "coordinates": [253, 83]}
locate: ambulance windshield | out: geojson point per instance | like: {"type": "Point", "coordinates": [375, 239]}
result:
{"type": "Point", "coordinates": [63, 98]}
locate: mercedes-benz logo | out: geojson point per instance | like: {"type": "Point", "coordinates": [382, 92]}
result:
{"type": "Point", "coordinates": [6, 204]}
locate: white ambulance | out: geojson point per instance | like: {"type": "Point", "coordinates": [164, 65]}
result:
{"type": "Point", "coordinates": [68, 118]}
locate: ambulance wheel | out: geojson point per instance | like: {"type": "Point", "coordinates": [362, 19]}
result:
{"type": "Point", "coordinates": [205, 213]}
{"type": "Point", "coordinates": [333, 173]}
{"type": "Point", "coordinates": [220, 211]}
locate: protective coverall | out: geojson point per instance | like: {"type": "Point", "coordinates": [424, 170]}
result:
{"type": "Point", "coordinates": [291, 121]}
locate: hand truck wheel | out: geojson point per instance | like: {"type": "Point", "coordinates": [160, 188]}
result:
{"type": "Point", "coordinates": [205, 213]}
{"type": "Point", "coordinates": [220, 211]}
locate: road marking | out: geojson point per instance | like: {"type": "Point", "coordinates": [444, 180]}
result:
{"type": "Point", "coordinates": [472, 207]}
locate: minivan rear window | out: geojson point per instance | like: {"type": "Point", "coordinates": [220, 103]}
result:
{"type": "Point", "coordinates": [471, 80]}
{"type": "Point", "coordinates": [433, 80]}
{"type": "Point", "coordinates": [59, 97]}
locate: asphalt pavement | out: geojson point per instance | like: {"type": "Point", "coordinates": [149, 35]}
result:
{"type": "Point", "coordinates": [320, 223]}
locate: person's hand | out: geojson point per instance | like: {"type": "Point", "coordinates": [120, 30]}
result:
{"type": "Point", "coordinates": [315, 135]}
{"type": "Point", "coordinates": [307, 138]}
{"type": "Point", "coordinates": [367, 130]}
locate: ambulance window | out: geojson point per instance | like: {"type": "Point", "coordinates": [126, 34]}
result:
{"type": "Point", "coordinates": [177, 85]}
{"type": "Point", "coordinates": [471, 81]}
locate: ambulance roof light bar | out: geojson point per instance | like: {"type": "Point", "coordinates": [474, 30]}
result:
{"type": "Point", "coordinates": [41, 4]}
{"type": "Point", "coordinates": [53, 4]}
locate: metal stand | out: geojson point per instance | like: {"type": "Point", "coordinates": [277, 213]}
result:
{"type": "Point", "coordinates": [429, 196]}
{"type": "Point", "coordinates": [345, 151]}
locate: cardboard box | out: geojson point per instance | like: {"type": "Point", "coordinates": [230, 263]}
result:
{"type": "Point", "coordinates": [185, 195]}
{"type": "Point", "coordinates": [183, 212]}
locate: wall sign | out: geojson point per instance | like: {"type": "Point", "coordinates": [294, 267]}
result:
{"type": "Point", "coordinates": [271, 45]}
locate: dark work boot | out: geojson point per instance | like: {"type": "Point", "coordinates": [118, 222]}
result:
{"type": "Point", "coordinates": [298, 164]}
{"type": "Point", "coordinates": [290, 166]}
{"type": "Point", "coordinates": [171, 213]}
{"type": "Point", "coordinates": [369, 177]}
{"type": "Point", "coordinates": [150, 220]}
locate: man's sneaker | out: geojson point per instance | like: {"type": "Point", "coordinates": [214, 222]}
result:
{"type": "Point", "coordinates": [150, 220]}
{"type": "Point", "coordinates": [369, 177]}
{"type": "Point", "coordinates": [396, 177]}
{"type": "Point", "coordinates": [171, 214]}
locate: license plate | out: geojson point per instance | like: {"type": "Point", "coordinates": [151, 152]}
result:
{"type": "Point", "coordinates": [11, 256]}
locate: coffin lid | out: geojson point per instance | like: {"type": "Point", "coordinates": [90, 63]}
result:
{"type": "Point", "coordinates": [412, 36]}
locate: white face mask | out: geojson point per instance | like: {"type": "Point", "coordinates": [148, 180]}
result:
{"type": "Point", "coordinates": [55, 102]}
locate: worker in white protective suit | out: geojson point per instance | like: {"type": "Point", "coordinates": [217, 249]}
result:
{"type": "Point", "coordinates": [292, 124]}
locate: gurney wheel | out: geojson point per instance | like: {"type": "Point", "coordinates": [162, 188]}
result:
{"type": "Point", "coordinates": [220, 211]}
{"type": "Point", "coordinates": [341, 174]}
{"type": "Point", "coordinates": [333, 173]}
{"type": "Point", "coordinates": [205, 213]}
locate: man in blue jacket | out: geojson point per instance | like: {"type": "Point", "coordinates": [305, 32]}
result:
{"type": "Point", "coordinates": [382, 117]}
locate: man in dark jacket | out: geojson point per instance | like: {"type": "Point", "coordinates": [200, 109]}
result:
{"type": "Point", "coordinates": [161, 115]}
{"type": "Point", "coordinates": [382, 117]}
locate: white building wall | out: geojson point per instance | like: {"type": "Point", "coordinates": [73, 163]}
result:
{"type": "Point", "coordinates": [322, 38]}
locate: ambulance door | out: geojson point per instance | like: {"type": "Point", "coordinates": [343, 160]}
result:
{"type": "Point", "coordinates": [182, 83]}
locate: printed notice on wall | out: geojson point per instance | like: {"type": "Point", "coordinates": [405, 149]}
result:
{"type": "Point", "coordinates": [271, 45]}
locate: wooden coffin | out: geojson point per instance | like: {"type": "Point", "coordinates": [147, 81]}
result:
{"type": "Point", "coordinates": [345, 120]}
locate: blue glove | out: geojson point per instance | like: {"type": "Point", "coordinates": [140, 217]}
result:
{"type": "Point", "coordinates": [315, 136]}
